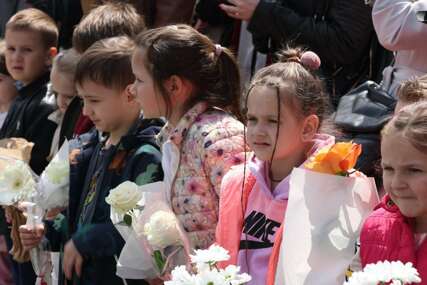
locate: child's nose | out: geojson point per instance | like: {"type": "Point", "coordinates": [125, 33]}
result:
{"type": "Point", "coordinates": [398, 182]}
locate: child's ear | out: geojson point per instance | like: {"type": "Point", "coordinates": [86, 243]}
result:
{"type": "Point", "coordinates": [178, 89]}
{"type": "Point", "coordinates": [51, 53]}
{"type": "Point", "coordinates": [130, 93]}
{"type": "Point", "coordinates": [309, 128]}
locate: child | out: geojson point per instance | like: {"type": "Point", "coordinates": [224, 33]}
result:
{"type": "Point", "coordinates": [411, 91]}
{"type": "Point", "coordinates": [8, 90]}
{"type": "Point", "coordinates": [31, 38]}
{"type": "Point", "coordinates": [129, 152]}
{"type": "Point", "coordinates": [63, 88]}
{"type": "Point", "coordinates": [109, 20]}
{"type": "Point", "coordinates": [397, 229]}
{"type": "Point", "coordinates": [182, 76]}
{"type": "Point", "coordinates": [286, 106]}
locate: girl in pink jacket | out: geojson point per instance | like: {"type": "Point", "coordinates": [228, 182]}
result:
{"type": "Point", "coordinates": [285, 109]}
{"type": "Point", "coordinates": [182, 76]}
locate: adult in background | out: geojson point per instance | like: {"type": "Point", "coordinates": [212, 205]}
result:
{"type": "Point", "coordinates": [339, 31]}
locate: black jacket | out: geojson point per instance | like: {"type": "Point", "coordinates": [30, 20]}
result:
{"type": "Point", "coordinates": [28, 118]}
{"type": "Point", "coordinates": [339, 31]}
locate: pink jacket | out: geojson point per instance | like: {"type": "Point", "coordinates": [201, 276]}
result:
{"type": "Point", "coordinates": [206, 143]}
{"type": "Point", "coordinates": [388, 235]}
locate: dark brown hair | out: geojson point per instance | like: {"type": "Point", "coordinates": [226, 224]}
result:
{"type": "Point", "coordinates": [36, 21]}
{"type": "Point", "coordinates": [109, 20]}
{"type": "Point", "coordinates": [3, 68]}
{"type": "Point", "coordinates": [413, 90]}
{"type": "Point", "coordinates": [182, 51]}
{"type": "Point", "coordinates": [108, 63]}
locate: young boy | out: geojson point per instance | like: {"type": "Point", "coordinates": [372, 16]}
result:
{"type": "Point", "coordinates": [128, 152]}
{"type": "Point", "coordinates": [31, 38]}
{"type": "Point", "coordinates": [105, 21]}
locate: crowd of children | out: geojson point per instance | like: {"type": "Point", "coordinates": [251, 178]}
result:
{"type": "Point", "coordinates": [165, 104]}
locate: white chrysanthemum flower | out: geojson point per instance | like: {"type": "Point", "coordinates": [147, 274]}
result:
{"type": "Point", "coordinates": [124, 197]}
{"type": "Point", "coordinates": [231, 274]}
{"type": "Point", "coordinates": [161, 230]}
{"type": "Point", "coordinates": [16, 182]}
{"type": "Point", "coordinates": [211, 277]}
{"type": "Point", "coordinates": [58, 172]}
{"type": "Point", "coordinates": [213, 254]}
{"type": "Point", "coordinates": [180, 276]}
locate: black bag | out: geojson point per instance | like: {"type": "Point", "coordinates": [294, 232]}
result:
{"type": "Point", "coordinates": [365, 109]}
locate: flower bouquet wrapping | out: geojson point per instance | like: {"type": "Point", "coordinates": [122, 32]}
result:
{"type": "Point", "coordinates": [328, 202]}
{"type": "Point", "coordinates": [126, 202]}
{"type": "Point", "coordinates": [158, 242]}
{"type": "Point", "coordinates": [17, 184]}
{"type": "Point", "coordinates": [206, 270]}
{"type": "Point", "coordinates": [53, 185]}
{"type": "Point", "coordinates": [395, 273]}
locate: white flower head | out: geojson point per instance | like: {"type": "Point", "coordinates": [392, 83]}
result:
{"type": "Point", "coordinates": [17, 181]}
{"type": "Point", "coordinates": [180, 276]}
{"type": "Point", "coordinates": [124, 197]}
{"type": "Point", "coordinates": [58, 172]}
{"type": "Point", "coordinates": [213, 254]}
{"type": "Point", "coordinates": [161, 230]}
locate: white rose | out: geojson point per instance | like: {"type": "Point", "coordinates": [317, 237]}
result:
{"type": "Point", "coordinates": [124, 197]}
{"type": "Point", "coordinates": [162, 230]}
{"type": "Point", "coordinates": [58, 172]}
{"type": "Point", "coordinates": [16, 182]}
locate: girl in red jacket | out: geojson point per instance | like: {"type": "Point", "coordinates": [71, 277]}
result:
{"type": "Point", "coordinates": [397, 229]}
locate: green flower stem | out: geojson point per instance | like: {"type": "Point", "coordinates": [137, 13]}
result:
{"type": "Point", "coordinates": [159, 260]}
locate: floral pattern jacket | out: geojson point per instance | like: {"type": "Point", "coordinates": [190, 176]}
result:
{"type": "Point", "coordinates": [196, 154]}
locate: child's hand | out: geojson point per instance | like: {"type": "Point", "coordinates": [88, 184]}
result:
{"type": "Point", "coordinates": [72, 260]}
{"type": "Point", "coordinates": [52, 213]}
{"type": "Point", "coordinates": [31, 237]}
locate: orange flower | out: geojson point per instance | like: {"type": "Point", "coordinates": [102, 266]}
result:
{"type": "Point", "coordinates": [338, 159]}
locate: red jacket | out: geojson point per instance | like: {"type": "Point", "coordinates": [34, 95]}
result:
{"type": "Point", "coordinates": [388, 235]}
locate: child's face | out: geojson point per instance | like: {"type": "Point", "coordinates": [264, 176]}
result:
{"type": "Point", "coordinates": [64, 88]}
{"type": "Point", "coordinates": [7, 89]}
{"type": "Point", "coordinates": [27, 58]}
{"type": "Point", "coordinates": [152, 104]}
{"type": "Point", "coordinates": [405, 175]}
{"type": "Point", "coordinates": [262, 121]}
{"type": "Point", "coordinates": [108, 109]}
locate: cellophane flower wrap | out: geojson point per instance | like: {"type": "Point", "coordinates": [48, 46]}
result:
{"type": "Point", "coordinates": [54, 182]}
{"type": "Point", "coordinates": [125, 205]}
{"type": "Point", "coordinates": [206, 270]}
{"type": "Point", "coordinates": [158, 242]}
{"type": "Point", "coordinates": [385, 272]}
{"type": "Point", "coordinates": [328, 202]}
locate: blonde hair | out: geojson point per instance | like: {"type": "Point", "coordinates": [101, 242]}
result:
{"type": "Point", "coordinates": [37, 21]}
{"type": "Point", "coordinates": [411, 122]}
{"type": "Point", "coordinates": [413, 90]}
{"type": "Point", "coordinates": [3, 68]}
{"type": "Point", "coordinates": [66, 61]}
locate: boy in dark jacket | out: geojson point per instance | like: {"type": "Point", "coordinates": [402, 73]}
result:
{"type": "Point", "coordinates": [122, 148]}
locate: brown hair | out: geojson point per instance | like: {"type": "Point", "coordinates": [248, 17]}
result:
{"type": "Point", "coordinates": [411, 122]}
{"type": "Point", "coordinates": [306, 93]}
{"type": "Point", "coordinates": [182, 51]}
{"type": "Point", "coordinates": [66, 61]}
{"type": "Point", "coordinates": [36, 21]}
{"type": "Point", "coordinates": [108, 63]}
{"type": "Point", "coordinates": [413, 90]}
{"type": "Point", "coordinates": [3, 68]}
{"type": "Point", "coordinates": [109, 20]}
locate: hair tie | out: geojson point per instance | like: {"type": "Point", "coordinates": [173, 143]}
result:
{"type": "Point", "coordinates": [294, 59]}
{"type": "Point", "coordinates": [310, 60]}
{"type": "Point", "coordinates": [218, 50]}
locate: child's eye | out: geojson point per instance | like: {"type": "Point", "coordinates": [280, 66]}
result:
{"type": "Point", "coordinates": [414, 170]}
{"type": "Point", "coordinates": [272, 121]}
{"type": "Point", "coordinates": [11, 49]}
{"type": "Point", "coordinates": [250, 119]}
{"type": "Point", "coordinates": [27, 50]}
{"type": "Point", "coordinates": [139, 80]}
{"type": "Point", "coordinates": [387, 168]}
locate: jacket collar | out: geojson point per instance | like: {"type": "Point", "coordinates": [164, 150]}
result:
{"type": "Point", "coordinates": [177, 134]}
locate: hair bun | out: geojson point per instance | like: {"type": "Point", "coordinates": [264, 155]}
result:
{"type": "Point", "coordinates": [310, 60]}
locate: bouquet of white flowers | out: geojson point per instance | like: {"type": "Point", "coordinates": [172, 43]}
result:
{"type": "Point", "coordinates": [207, 272]}
{"type": "Point", "coordinates": [395, 273]}
{"type": "Point", "coordinates": [126, 202]}
{"type": "Point", "coordinates": [54, 182]}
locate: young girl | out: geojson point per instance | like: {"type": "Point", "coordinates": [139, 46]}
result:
{"type": "Point", "coordinates": [285, 109]}
{"type": "Point", "coordinates": [63, 87]}
{"type": "Point", "coordinates": [182, 76]}
{"type": "Point", "coordinates": [397, 229]}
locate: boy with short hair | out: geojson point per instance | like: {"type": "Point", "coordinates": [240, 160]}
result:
{"type": "Point", "coordinates": [104, 80]}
